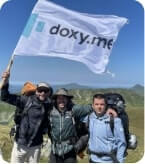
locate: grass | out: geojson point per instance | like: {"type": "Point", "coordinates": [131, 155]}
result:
{"type": "Point", "coordinates": [136, 117]}
{"type": "Point", "coordinates": [5, 142]}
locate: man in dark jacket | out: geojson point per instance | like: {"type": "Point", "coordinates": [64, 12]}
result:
{"type": "Point", "coordinates": [63, 119]}
{"type": "Point", "coordinates": [34, 120]}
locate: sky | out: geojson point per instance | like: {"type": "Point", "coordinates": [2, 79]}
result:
{"type": "Point", "coordinates": [126, 59]}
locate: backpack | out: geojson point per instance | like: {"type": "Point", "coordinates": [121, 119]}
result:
{"type": "Point", "coordinates": [28, 89]}
{"type": "Point", "coordinates": [18, 115]}
{"type": "Point", "coordinates": [117, 102]}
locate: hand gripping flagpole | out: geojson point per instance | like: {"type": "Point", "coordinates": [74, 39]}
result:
{"type": "Point", "coordinates": [2, 82]}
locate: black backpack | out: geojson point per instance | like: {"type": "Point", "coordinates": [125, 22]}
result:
{"type": "Point", "coordinates": [117, 102]}
{"type": "Point", "coordinates": [18, 115]}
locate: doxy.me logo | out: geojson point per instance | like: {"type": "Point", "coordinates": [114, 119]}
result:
{"type": "Point", "coordinates": [80, 36]}
{"type": "Point", "coordinates": [67, 32]}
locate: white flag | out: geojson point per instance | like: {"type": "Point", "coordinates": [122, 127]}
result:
{"type": "Point", "coordinates": [55, 31]}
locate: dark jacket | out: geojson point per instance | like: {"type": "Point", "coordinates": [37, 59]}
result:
{"type": "Point", "coordinates": [63, 132]}
{"type": "Point", "coordinates": [34, 121]}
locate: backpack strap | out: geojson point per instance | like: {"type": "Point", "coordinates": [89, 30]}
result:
{"type": "Point", "coordinates": [87, 126]}
{"type": "Point", "coordinates": [111, 122]}
{"type": "Point", "coordinates": [88, 120]}
{"type": "Point", "coordinates": [27, 106]}
{"type": "Point", "coordinates": [74, 122]}
{"type": "Point", "coordinates": [50, 133]}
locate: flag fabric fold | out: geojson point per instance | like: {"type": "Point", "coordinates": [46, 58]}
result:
{"type": "Point", "coordinates": [55, 31]}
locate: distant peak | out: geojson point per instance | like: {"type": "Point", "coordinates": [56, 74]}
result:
{"type": "Point", "coordinates": [137, 86]}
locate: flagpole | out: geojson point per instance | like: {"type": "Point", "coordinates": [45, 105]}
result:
{"type": "Point", "coordinates": [7, 69]}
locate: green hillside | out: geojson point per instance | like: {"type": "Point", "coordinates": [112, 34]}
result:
{"type": "Point", "coordinates": [84, 96]}
{"type": "Point", "coordinates": [139, 89]}
{"type": "Point", "coordinates": [6, 113]}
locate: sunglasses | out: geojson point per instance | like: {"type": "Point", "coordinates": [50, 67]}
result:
{"type": "Point", "coordinates": [45, 90]}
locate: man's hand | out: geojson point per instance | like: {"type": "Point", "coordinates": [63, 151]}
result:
{"type": "Point", "coordinates": [81, 154]}
{"type": "Point", "coordinates": [111, 112]}
{"type": "Point", "coordinates": [5, 76]}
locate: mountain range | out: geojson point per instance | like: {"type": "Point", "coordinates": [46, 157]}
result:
{"type": "Point", "coordinates": [139, 89]}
